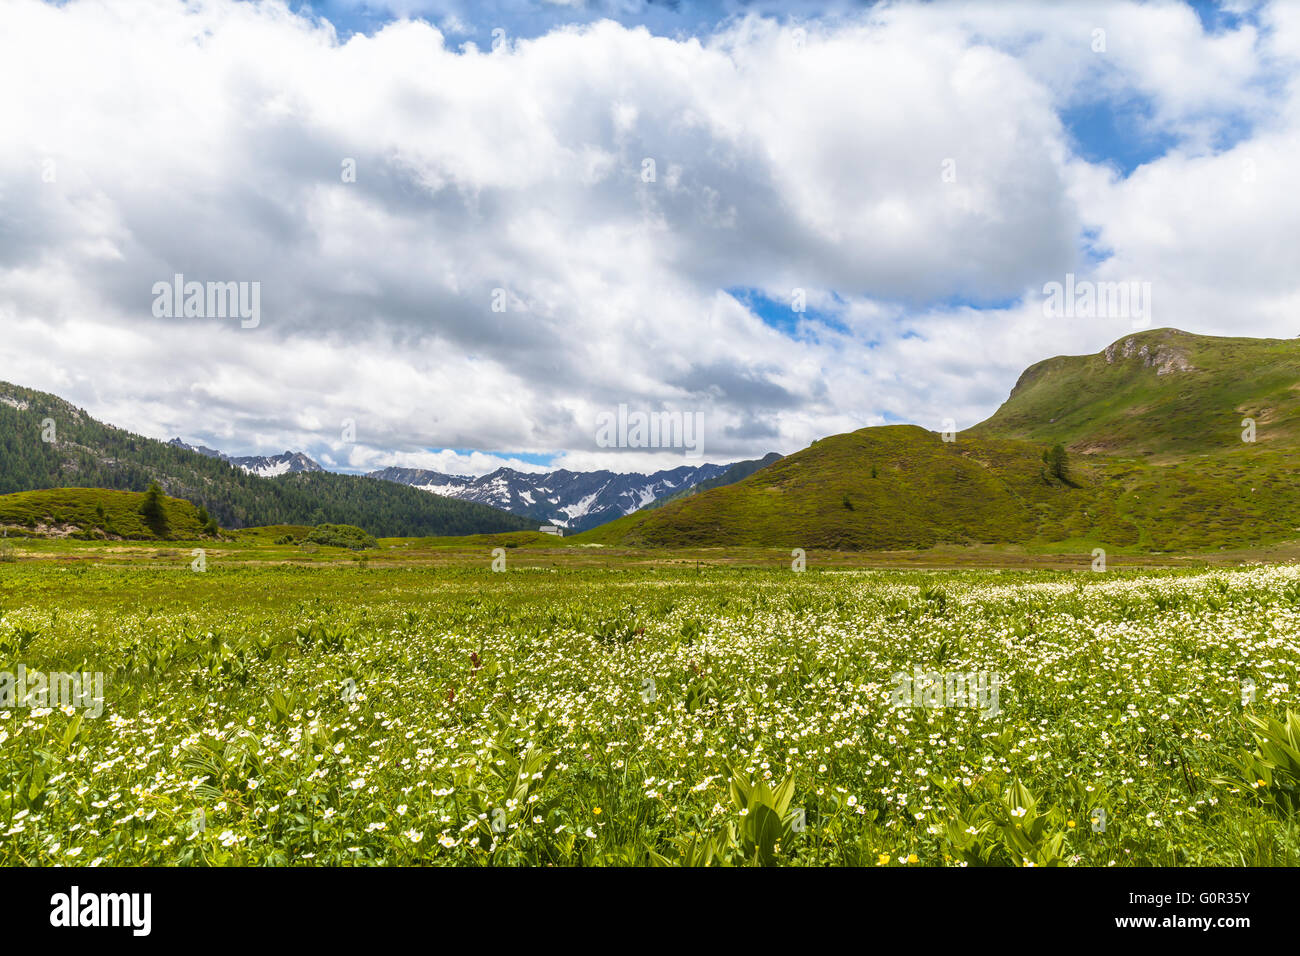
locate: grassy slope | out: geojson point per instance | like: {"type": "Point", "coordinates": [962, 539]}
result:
{"type": "Point", "coordinates": [1175, 476]}
{"type": "Point", "coordinates": [73, 510]}
{"type": "Point", "coordinates": [737, 472]}
{"type": "Point", "coordinates": [1123, 406]}
{"type": "Point", "coordinates": [926, 492]}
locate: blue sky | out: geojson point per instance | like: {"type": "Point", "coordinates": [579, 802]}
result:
{"type": "Point", "coordinates": [670, 18]}
{"type": "Point", "coordinates": [531, 19]}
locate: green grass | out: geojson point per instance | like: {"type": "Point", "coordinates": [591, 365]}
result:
{"type": "Point", "coordinates": [627, 712]}
{"type": "Point", "coordinates": [272, 533]}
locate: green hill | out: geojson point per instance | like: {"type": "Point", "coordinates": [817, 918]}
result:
{"type": "Point", "coordinates": [1161, 393]}
{"type": "Point", "coordinates": [1157, 462]}
{"type": "Point", "coordinates": [85, 453]}
{"type": "Point", "coordinates": [825, 497]}
{"type": "Point", "coordinates": [98, 513]}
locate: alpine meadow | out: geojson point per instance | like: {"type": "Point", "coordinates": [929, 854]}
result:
{"type": "Point", "coordinates": [622, 434]}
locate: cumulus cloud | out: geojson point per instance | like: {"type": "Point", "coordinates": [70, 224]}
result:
{"type": "Point", "coordinates": [540, 232]}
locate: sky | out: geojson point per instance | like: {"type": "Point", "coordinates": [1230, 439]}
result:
{"type": "Point", "coordinates": [475, 229]}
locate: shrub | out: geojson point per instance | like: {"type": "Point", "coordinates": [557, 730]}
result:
{"type": "Point", "coordinates": [342, 536]}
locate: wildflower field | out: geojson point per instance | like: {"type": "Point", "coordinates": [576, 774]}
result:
{"type": "Point", "coordinates": [649, 714]}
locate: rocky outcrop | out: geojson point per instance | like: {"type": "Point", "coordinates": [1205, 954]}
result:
{"type": "Point", "coordinates": [1165, 359]}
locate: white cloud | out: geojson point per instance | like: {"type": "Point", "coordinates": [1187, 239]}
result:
{"type": "Point", "coordinates": [216, 148]}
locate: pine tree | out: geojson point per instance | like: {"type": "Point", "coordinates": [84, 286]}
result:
{"type": "Point", "coordinates": [152, 506]}
{"type": "Point", "coordinates": [1058, 464]}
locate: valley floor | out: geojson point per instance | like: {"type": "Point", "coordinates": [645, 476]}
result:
{"type": "Point", "coordinates": [595, 707]}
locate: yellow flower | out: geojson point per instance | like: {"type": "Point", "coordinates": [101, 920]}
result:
{"type": "Point", "coordinates": [1070, 824]}
{"type": "Point", "coordinates": [912, 858]}
{"type": "Point", "coordinates": [596, 810]}
{"type": "Point", "coordinates": [882, 859]}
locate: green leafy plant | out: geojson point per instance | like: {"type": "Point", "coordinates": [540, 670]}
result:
{"type": "Point", "coordinates": [1008, 829]}
{"type": "Point", "coordinates": [765, 818]}
{"type": "Point", "coordinates": [1271, 771]}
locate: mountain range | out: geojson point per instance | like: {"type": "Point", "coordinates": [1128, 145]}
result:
{"type": "Point", "coordinates": [573, 500]}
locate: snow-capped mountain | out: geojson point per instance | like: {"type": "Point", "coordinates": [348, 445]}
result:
{"type": "Point", "coordinates": [282, 464]}
{"type": "Point", "coordinates": [574, 500]}
{"type": "Point", "coordinates": [259, 465]}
